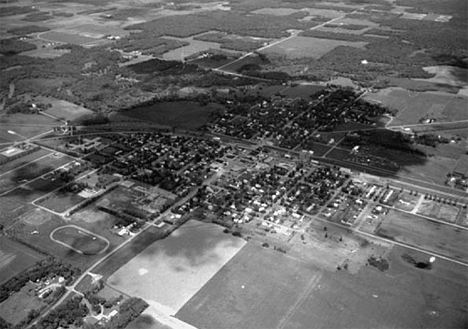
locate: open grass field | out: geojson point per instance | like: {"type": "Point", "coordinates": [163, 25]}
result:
{"type": "Point", "coordinates": [425, 234]}
{"type": "Point", "coordinates": [79, 240]}
{"type": "Point", "coordinates": [280, 292]}
{"type": "Point", "coordinates": [188, 115]}
{"type": "Point", "coordinates": [63, 37]}
{"type": "Point", "coordinates": [438, 210]}
{"type": "Point", "coordinates": [17, 306]}
{"type": "Point", "coordinates": [172, 270]}
{"type": "Point", "coordinates": [66, 110]}
{"type": "Point", "coordinates": [299, 47]}
{"type": "Point", "coordinates": [433, 169]}
{"type": "Point", "coordinates": [15, 258]}
{"type": "Point", "coordinates": [61, 201]}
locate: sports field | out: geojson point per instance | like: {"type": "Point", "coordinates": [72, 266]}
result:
{"type": "Point", "coordinates": [263, 289]}
{"type": "Point", "coordinates": [79, 240]}
{"type": "Point", "coordinates": [171, 271]}
{"type": "Point", "coordinates": [425, 234]}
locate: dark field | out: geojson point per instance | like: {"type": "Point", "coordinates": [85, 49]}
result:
{"type": "Point", "coordinates": [280, 292]}
{"type": "Point", "coordinates": [189, 115]}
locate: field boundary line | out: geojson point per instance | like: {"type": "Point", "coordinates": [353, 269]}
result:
{"type": "Point", "coordinates": [35, 160]}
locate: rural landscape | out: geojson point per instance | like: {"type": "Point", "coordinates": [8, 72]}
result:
{"type": "Point", "coordinates": [206, 164]}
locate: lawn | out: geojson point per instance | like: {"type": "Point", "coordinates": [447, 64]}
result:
{"type": "Point", "coordinates": [15, 258]}
{"type": "Point", "coordinates": [171, 271]}
{"type": "Point", "coordinates": [425, 234]}
{"type": "Point", "coordinates": [80, 240]}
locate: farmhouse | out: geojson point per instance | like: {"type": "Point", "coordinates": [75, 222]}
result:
{"type": "Point", "coordinates": [461, 170]}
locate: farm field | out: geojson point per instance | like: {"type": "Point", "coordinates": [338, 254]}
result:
{"type": "Point", "coordinates": [79, 240]}
{"type": "Point", "coordinates": [171, 271]}
{"type": "Point", "coordinates": [413, 106]}
{"type": "Point", "coordinates": [188, 115]}
{"type": "Point", "coordinates": [425, 234]}
{"type": "Point", "coordinates": [280, 292]}
{"type": "Point", "coordinates": [299, 47]}
{"type": "Point", "coordinates": [401, 297]}
{"type": "Point", "coordinates": [194, 47]}
{"type": "Point", "coordinates": [31, 171]}
{"type": "Point", "coordinates": [303, 91]}
{"type": "Point", "coordinates": [15, 164]}
{"type": "Point", "coordinates": [15, 258]}
{"type": "Point", "coordinates": [71, 38]}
